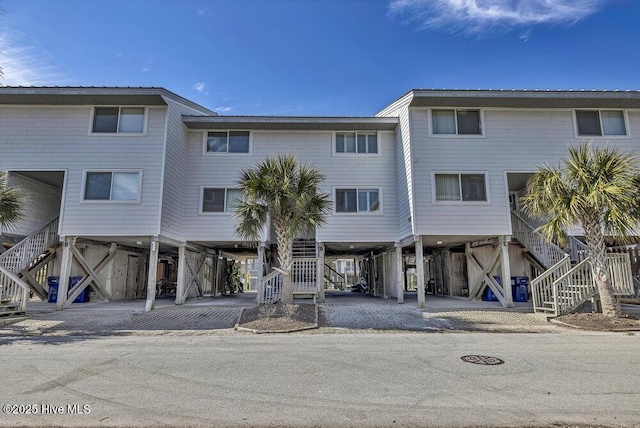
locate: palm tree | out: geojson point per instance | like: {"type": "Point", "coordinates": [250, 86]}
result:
{"type": "Point", "coordinates": [596, 188]}
{"type": "Point", "coordinates": [287, 193]}
{"type": "Point", "coordinates": [11, 202]}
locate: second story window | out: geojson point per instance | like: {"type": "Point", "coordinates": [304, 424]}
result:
{"type": "Point", "coordinates": [220, 200]}
{"type": "Point", "coordinates": [118, 120]}
{"type": "Point", "coordinates": [456, 122]}
{"type": "Point", "coordinates": [357, 142]}
{"type": "Point", "coordinates": [461, 187]}
{"type": "Point", "coordinates": [121, 186]}
{"type": "Point", "coordinates": [228, 142]}
{"type": "Point", "coordinates": [598, 123]}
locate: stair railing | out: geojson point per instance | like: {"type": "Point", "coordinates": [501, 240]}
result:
{"type": "Point", "coordinates": [337, 279]}
{"type": "Point", "coordinates": [546, 252]}
{"type": "Point", "coordinates": [542, 289]}
{"type": "Point", "coordinates": [13, 289]}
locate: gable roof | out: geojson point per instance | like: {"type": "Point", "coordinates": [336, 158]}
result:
{"type": "Point", "coordinates": [84, 95]}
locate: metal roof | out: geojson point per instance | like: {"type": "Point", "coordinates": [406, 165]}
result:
{"type": "Point", "coordinates": [525, 98]}
{"type": "Point", "coordinates": [291, 123]}
{"type": "Point", "coordinates": [84, 95]}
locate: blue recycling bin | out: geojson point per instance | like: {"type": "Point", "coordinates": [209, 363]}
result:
{"type": "Point", "coordinates": [54, 281]}
{"type": "Point", "coordinates": [488, 295]}
{"type": "Point", "coordinates": [520, 288]}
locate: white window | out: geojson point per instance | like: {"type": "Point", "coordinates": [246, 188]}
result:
{"type": "Point", "coordinates": [357, 142]}
{"type": "Point", "coordinates": [220, 200]}
{"type": "Point", "coordinates": [357, 200]}
{"type": "Point", "coordinates": [112, 186]}
{"type": "Point", "coordinates": [461, 187]}
{"type": "Point", "coordinates": [118, 120]}
{"type": "Point", "coordinates": [597, 123]}
{"type": "Point", "coordinates": [456, 122]}
{"type": "Point", "coordinates": [227, 142]}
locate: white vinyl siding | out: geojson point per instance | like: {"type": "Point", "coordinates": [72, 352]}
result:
{"type": "Point", "coordinates": [599, 123]}
{"type": "Point", "coordinates": [118, 120]}
{"type": "Point", "coordinates": [175, 171]}
{"type": "Point", "coordinates": [308, 146]}
{"type": "Point", "coordinates": [55, 138]}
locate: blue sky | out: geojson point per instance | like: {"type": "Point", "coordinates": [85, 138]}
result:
{"type": "Point", "coordinates": [320, 57]}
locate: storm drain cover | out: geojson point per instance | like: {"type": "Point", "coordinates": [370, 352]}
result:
{"type": "Point", "coordinates": [484, 360]}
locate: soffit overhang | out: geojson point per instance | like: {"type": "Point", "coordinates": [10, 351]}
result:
{"type": "Point", "coordinates": [526, 99]}
{"type": "Point", "coordinates": [92, 96]}
{"type": "Point", "coordinates": [291, 123]}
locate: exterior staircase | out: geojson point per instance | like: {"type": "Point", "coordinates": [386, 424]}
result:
{"type": "Point", "coordinates": [23, 269]}
{"type": "Point", "coordinates": [333, 279]}
{"type": "Point", "coordinates": [566, 281]}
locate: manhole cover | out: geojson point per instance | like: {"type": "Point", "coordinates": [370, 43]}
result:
{"type": "Point", "coordinates": [482, 359]}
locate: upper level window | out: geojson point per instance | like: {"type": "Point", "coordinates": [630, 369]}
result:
{"type": "Point", "coordinates": [112, 186]}
{"type": "Point", "coordinates": [357, 142]}
{"type": "Point", "coordinates": [599, 123]}
{"type": "Point", "coordinates": [220, 200]}
{"type": "Point", "coordinates": [228, 142]}
{"type": "Point", "coordinates": [461, 187]}
{"type": "Point", "coordinates": [357, 200]}
{"type": "Point", "coordinates": [456, 122]}
{"type": "Point", "coordinates": [113, 120]}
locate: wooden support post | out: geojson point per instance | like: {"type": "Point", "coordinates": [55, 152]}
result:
{"type": "Point", "coordinates": [65, 272]}
{"type": "Point", "coordinates": [399, 274]}
{"type": "Point", "coordinates": [154, 250]}
{"type": "Point", "coordinates": [420, 273]}
{"type": "Point", "coordinates": [108, 284]}
{"type": "Point", "coordinates": [320, 273]}
{"type": "Point", "coordinates": [181, 289]}
{"type": "Point", "coordinates": [260, 285]}
{"type": "Point", "coordinates": [91, 275]}
{"type": "Point", "coordinates": [505, 266]}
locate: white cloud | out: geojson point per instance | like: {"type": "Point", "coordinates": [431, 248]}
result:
{"type": "Point", "coordinates": [202, 11]}
{"type": "Point", "coordinates": [525, 36]}
{"type": "Point", "coordinates": [200, 86]}
{"type": "Point", "coordinates": [24, 64]}
{"type": "Point", "coordinates": [145, 69]}
{"type": "Point", "coordinates": [477, 16]}
{"type": "Point", "coordinates": [223, 109]}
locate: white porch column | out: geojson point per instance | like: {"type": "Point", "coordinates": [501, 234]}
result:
{"type": "Point", "coordinates": [420, 273]}
{"type": "Point", "coordinates": [154, 250]}
{"type": "Point", "coordinates": [182, 272]}
{"type": "Point", "coordinates": [260, 286]}
{"type": "Point", "coordinates": [505, 270]}
{"type": "Point", "coordinates": [65, 272]}
{"type": "Point", "coordinates": [320, 273]}
{"type": "Point", "coordinates": [399, 275]}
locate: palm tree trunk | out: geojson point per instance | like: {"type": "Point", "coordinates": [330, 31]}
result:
{"type": "Point", "coordinates": [285, 257]}
{"type": "Point", "coordinates": [600, 267]}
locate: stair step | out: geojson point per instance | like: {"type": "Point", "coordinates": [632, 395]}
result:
{"type": "Point", "coordinates": [9, 310]}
